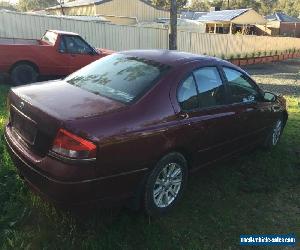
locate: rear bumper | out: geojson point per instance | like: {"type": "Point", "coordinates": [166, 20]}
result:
{"type": "Point", "coordinates": [109, 189]}
{"type": "Point", "coordinates": [49, 188]}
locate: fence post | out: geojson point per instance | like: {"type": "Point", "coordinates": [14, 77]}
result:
{"type": "Point", "coordinates": [226, 48]}
{"type": "Point", "coordinates": [242, 45]}
{"type": "Point", "coordinates": [191, 41]}
{"type": "Point", "coordinates": [139, 37]}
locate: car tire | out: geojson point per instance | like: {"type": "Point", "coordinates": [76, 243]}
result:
{"type": "Point", "coordinates": [275, 134]}
{"type": "Point", "coordinates": [165, 184]}
{"type": "Point", "coordinates": [23, 73]}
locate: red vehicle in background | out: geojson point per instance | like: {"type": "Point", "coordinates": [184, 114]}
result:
{"type": "Point", "coordinates": [57, 53]}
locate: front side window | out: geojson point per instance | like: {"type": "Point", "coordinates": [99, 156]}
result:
{"type": "Point", "coordinates": [76, 45]}
{"type": "Point", "coordinates": [119, 77]}
{"type": "Point", "coordinates": [210, 87]}
{"type": "Point", "coordinates": [187, 94]}
{"type": "Point", "coordinates": [62, 46]}
{"type": "Point", "coordinates": [240, 86]}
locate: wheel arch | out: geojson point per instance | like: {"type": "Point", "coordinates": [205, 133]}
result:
{"type": "Point", "coordinates": [180, 150]}
{"type": "Point", "coordinates": [28, 62]}
{"type": "Point", "coordinates": [285, 116]}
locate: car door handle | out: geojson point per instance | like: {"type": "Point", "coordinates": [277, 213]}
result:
{"type": "Point", "coordinates": [251, 109]}
{"type": "Point", "coordinates": [184, 115]}
{"type": "Point", "coordinates": [275, 108]}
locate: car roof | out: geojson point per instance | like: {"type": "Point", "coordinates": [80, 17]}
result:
{"type": "Point", "coordinates": [169, 57]}
{"type": "Point", "coordinates": [64, 32]}
{"type": "Point", "coordinates": [176, 58]}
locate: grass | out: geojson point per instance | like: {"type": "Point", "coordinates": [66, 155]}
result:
{"type": "Point", "coordinates": [258, 192]}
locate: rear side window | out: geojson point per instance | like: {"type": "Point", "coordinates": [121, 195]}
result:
{"type": "Point", "coordinates": [119, 77]}
{"type": "Point", "coordinates": [187, 94]}
{"type": "Point", "coordinates": [50, 37]}
{"type": "Point", "coordinates": [210, 87]}
{"type": "Point", "coordinates": [240, 86]}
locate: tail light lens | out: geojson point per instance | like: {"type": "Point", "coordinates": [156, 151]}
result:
{"type": "Point", "coordinates": [72, 146]}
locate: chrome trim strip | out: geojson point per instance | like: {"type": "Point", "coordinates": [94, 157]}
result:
{"type": "Point", "coordinates": [69, 160]}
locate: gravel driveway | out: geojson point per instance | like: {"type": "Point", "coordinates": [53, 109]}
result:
{"type": "Point", "coordinates": [279, 77]}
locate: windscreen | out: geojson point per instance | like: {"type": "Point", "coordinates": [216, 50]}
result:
{"type": "Point", "coordinates": [119, 77]}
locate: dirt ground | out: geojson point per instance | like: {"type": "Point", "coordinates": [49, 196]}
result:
{"type": "Point", "coordinates": [279, 77]}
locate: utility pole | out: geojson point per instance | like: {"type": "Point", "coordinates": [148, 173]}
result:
{"type": "Point", "coordinates": [173, 26]}
{"type": "Point", "coordinates": [61, 3]}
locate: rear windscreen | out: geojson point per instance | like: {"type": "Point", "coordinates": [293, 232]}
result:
{"type": "Point", "coordinates": [119, 77]}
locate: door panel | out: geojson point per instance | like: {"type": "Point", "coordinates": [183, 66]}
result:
{"type": "Point", "coordinates": [81, 53]}
{"type": "Point", "coordinates": [211, 132]}
{"type": "Point", "coordinates": [78, 61]}
{"type": "Point", "coordinates": [57, 60]}
{"type": "Point", "coordinates": [210, 129]}
{"type": "Point", "coordinates": [245, 100]}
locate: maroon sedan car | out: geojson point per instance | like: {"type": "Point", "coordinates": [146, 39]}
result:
{"type": "Point", "coordinates": [132, 125]}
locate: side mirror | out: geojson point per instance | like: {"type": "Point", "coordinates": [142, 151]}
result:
{"type": "Point", "coordinates": [269, 97]}
{"type": "Point", "coordinates": [93, 53]}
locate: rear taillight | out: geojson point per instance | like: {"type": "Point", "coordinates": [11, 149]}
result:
{"type": "Point", "coordinates": [72, 146]}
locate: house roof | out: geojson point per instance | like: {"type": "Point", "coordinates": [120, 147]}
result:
{"type": "Point", "coordinates": [86, 18]}
{"type": "Point", "coordinates": [222, 15]}
{"type": "Point", "coordinates": [77, 3]}
{"type": "Point", "coordinates": [282, 17]}
{"type": "Point", "coordinates": [192, 15]}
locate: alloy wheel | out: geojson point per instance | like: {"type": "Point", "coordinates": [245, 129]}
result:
{"type": "Point", "coordinates": [167, 185]}
{"type": "Point", "coordinates": [276, 132]}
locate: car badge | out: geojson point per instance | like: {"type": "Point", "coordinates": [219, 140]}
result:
{"type": "Point", "coordinates": [22, 105]}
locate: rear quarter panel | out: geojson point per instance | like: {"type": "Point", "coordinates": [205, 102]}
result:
{"type": "Point", "coordinates": [137, 136]}
{"type": "Point", "coordinates": [40, 55]}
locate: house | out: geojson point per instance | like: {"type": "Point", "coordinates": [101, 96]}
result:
{"type": "Point", "coordinates": [5, 5]}
{"type": "Point", "coordinates": [242, 21]}
{"type": "Point", "coordinates": [141, 10]}
{"type": "Point", "coordinates": [192, 15]}
{"type": "Point", "coordinates": [182, 25]}
{"type": "Point", "coordinates": [280, 24]}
